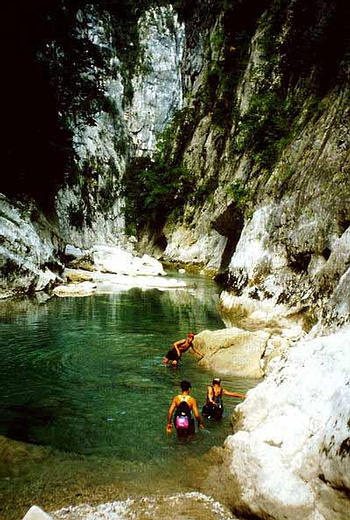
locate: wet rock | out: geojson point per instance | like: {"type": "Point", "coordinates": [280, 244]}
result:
{"type": "Point", "coordinates": [76, 289]}
{"type": "Point", "coordinates": [233, 351]}
{"type": "Point", "coordinates": [291, 459]}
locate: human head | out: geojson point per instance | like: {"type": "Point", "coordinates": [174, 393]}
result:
{"type": "Point", "coordinates": [185, 386]}
{"type": "Point", "coordinates": [216, 381]}
{"type": "Point", "coordinates": [190, 336]}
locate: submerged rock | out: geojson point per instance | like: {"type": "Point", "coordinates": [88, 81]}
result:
{"type": "Point", "coordinates": [189, 506]}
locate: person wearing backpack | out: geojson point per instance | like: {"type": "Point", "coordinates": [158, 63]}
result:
{"type": "Point", "coordinates": [214, 406]}
{"type": "Point", "coordinates": [183, 407]}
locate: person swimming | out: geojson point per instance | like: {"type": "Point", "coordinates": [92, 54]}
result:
{"type": "Point", "coordinates": [214, 406]}
{"type": "Point", "coordinates": [179, 348]}
{"type": "Point", "coordinates": [183, 406]}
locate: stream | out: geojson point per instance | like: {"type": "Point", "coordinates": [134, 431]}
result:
{"type": "Point", "coordinates": [84, 390]}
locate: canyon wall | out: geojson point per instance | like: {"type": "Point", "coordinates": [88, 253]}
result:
{"type": "Point", "coordinates": [206, 133]}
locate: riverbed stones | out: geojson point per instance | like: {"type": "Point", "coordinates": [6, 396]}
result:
{"type": "Point", "coordinates": [183, 506]}
{"type": "Point", "coordinates": [75, 289]}
{"type": "Point", "coordinates": [291, 458]}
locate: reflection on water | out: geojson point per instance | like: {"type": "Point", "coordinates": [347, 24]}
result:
{"type": "Point", "coordinates": [84, 376]}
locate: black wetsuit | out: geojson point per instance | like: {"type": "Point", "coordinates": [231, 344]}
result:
{"type": "Point", "coordinates": [173, 354]}
{"type": "Point", "coordinates": [214, 410]}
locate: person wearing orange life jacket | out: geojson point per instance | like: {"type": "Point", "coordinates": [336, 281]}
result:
{"type": "Point", "coordinates": [214, 405]}
{"type": "Point", "coordinates": [180, 347]}
{"type": "Point", "coordinates": [184, 407]}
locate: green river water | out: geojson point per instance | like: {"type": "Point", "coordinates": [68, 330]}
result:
{"type": "Point", "coordinates": [84, 388]}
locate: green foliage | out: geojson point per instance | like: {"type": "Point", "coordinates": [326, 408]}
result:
{"type": "Point", "coordinates": [205, 190]}
{"type": "Point", "coordinates": [239, 194]}
{"type": "Point", "coordinates": [173, 141]}
{"type": "Point", "coordinates": [153, 191]}
{"type": "Point", "coordinates": [266, 128]}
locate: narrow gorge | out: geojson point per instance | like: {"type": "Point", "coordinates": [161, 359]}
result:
{"type": "Point", "coordinates": [153, 144]}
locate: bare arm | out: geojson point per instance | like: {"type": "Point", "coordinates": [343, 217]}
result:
{"type": "Point", "coordinates": [197, 351]}
{"type": "Point", "coordinates": [179, 343]}
{"type": "Point", "coordinates": [196, 414]}
{"type": "Point", "coordinates": [170, 415]}
{"type": "Point", "coordinates": [233, 394]}
{"type": "Point", "coordinates": [211, 395]}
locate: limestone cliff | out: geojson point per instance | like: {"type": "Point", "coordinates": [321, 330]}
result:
{"type": "Point", "coordinates": [114, 81]}
{"type": "Point", "coordinates": [269, 148]}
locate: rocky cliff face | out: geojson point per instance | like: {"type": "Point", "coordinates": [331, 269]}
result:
{"type": "Point", "coordinates": [270, 155]}
{"type": "Point", "coordinates": [90, 210]}
{"type": "Point", "coordinates": [113, 111]}
{"type": "Point", "coordinates": [290, 456]}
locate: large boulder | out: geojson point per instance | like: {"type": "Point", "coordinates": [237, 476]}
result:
{"type": "Point", "coordinates": [116, 260]}
{"type": "Point", "coordinates": [291, 459]}
{"type": "Point", "coordinates": [36, 513]}
{"type": "Point", "coordinates": [233, 351]}
{"type": "Point", "coordinates": [75, 289]}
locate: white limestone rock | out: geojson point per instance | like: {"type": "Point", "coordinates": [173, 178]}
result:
{"type": "Point", "coordinates": [36, 513]}
{"type": "Point", "coordinates": [205, 249]}
{"type": "Point", "coordinates": [77, 275]}
{"type": "Point", "coordinates": [46, 280]}
{"type": "Point", "coordinates": [291, 459]}
{"type": "Point", "coordinates": [75, 289]}
{"type": "Point", "coordinates": [117, 260]}
{"type": "Point", "coordinates": [27, 246]}
{"type": "Point", "coordinates": [109, 283]}
{"type": "Point", "coordinates": [157, 87]}
{"type": "Point", "coordinates": [233, 351]}
{"type": "Point", "coordinates": [73, 251]}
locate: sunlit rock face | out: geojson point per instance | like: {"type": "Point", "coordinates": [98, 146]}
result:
{"type": "Point", "coordinates": [289, 241]}
{"type": "Point", "coordinates": [28, 249]}
{"type": "Point", "coordinates": [90, 210]}
{"type": "Point", "coordinates": [206, 250]}
{"type": "Point", "coordinates": [290, 458]}
{"type": "Point", "coordinates": [157, 85]}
